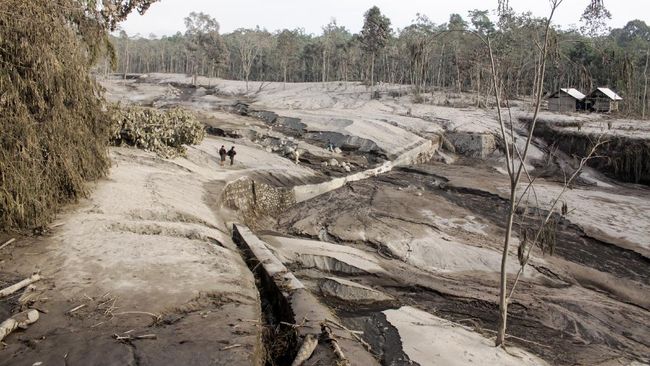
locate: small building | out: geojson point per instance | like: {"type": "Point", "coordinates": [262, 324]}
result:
{"type": "Point", "coordinates": [565, 100]}
{"type": "Point", "coordinates": [602, 100]}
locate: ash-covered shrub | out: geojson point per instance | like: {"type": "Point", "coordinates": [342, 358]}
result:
{"type": "Point", "coordinates": [162, 131]}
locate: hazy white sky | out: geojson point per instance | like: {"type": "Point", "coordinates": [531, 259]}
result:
{"type": "Point", "coordinates": [166, 16]}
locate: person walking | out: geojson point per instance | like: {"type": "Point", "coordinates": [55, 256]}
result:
{"type": "Point", "coordinates": [231, 155]}
{"type": "Point", "coordinates": [222, 155]}
{"type": "Point", "coordinates": [330, 145]}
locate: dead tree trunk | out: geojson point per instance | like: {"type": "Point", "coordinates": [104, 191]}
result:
{"type": "Point", "coordinates": [372, 74]}
{"type": "Point", "coordinates": [126, 55]}
{"type": "Point", "coordinates": [515, 171]}
{"type": "Point", "coordinates": [645, 84]}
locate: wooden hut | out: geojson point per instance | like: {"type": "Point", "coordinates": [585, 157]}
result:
{"type": "Point", "coordinates": [602, 100]}
{"type": "Point", "coordinates": [565, 100]}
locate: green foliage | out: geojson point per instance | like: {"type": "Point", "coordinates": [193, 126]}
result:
{"type": "Point", "coordinates": [456, 23]}
{"type": "Point", "coordinates": [164, 132]}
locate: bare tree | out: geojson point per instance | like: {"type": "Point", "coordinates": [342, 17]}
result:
{"type": "Point", "coordinates": [515, 172]}
{"type": "Point", "coordinates": [125, 37]}
{"type": "Point", "coordinates": [248, 45]}
{"type": "Point", "coordinates": [516, 167]}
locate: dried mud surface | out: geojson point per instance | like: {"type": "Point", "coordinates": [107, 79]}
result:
{"type": "Point", "coordinates": [585, 305]}
{"type": "Point", "coordinates": [156, 240]}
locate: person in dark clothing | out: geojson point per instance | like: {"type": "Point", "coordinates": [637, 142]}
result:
{"type": "Point", "coordinates": [330, 145]}
{"type": "Point", "coordinates": [222, 155]}
{"type": "Point", "coordinates": [231, 155]}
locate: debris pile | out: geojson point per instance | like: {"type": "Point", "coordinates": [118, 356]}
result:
{"type": "Point", "coordinates": [164, 132]}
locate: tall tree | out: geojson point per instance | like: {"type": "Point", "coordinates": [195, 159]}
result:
{"type": "Point", "coordinates": [248, 44]}
{"type": "Point", "coordinates": [203, 42]}
{"type": "Point", "coordinates": [287, 49]}
{"type": "Point", "coordinates": [594, 18]}
{"type": "Point", "coordinates": [125, 38]}
{"type": "Point", "coordinates": [418, 41]}
{"type": "Point", "coordinates": [483, 26]}
{"type": "Point", "coordinates": [457, 25]}
{"type": "Point", "coordinates": [374, 36]}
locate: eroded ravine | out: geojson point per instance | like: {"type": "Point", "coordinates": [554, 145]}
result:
{"type": "Point", "coordinates": [555, 305]}
{"type": "Point", "coordinates": [421, 241]}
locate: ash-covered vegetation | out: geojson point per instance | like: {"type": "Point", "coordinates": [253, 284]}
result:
{"type": "Point", "coordinates": [164, 132]}
{"type": "Point", "coordinates": [54, 133]}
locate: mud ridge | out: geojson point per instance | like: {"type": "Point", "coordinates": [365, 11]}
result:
{"type": "Point", "coordinates": [589, 251]}
{"type": "Point", "coordinates": [280, 342]}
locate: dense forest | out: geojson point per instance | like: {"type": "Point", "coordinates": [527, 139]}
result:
{"type": "Point", "coordinates": [450, 56]}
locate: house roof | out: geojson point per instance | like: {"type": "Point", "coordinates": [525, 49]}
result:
{"type": "Point", "coordinates": [574, 93]}
{"type": "Point", "coordinates": [609, 93]}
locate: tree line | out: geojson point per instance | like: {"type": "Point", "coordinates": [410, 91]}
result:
{"type": "Point", "coordinates": [426, 55]}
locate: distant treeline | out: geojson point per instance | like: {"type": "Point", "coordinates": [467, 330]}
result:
{"type": "Point", "coordinates": [429, 56]}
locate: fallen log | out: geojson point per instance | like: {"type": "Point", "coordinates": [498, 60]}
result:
{"type": "Point", "coordinates": [20, 320]}
{"type": "Point", "coordinates": [7, 243]}
{"type": "Point", "coordinates": [306, 349]}
{"type": "Point", "coordinates": [24, 283]}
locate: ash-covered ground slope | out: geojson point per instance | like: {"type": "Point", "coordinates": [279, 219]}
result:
{"type": "Point", "coordinates": [398, 231]}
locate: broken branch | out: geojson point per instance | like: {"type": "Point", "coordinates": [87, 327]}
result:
{"type": "Point", "coordinates": [76, 308]}
{"type": "Point", "coordinates": [24, 283]}
{"type": "Point", "coordinates": [7, 243]}
{"type": "Point", "coordinates": [306, 349]}
{"type": "Point", "coordinates": [329, 336]}
{"type": "Point", "coordinates": [128, 338]}
{"type": "Point", "coordinates": [231, 347]}
{"type": "Point", "coordinates": [155, 316]}
{"type": "Point", "coordinates": [354, 334]}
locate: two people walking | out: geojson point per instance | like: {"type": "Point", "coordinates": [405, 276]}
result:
{"type": "Point", "coordinates": [230, 153]}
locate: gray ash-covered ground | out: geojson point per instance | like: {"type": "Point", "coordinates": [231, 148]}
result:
{"type": "Point", "coordinates": [587, 304]}
{"type": "Point", "coordinates": [430, 236]}
{"type": "Point", "coordinates": [425, 237]}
